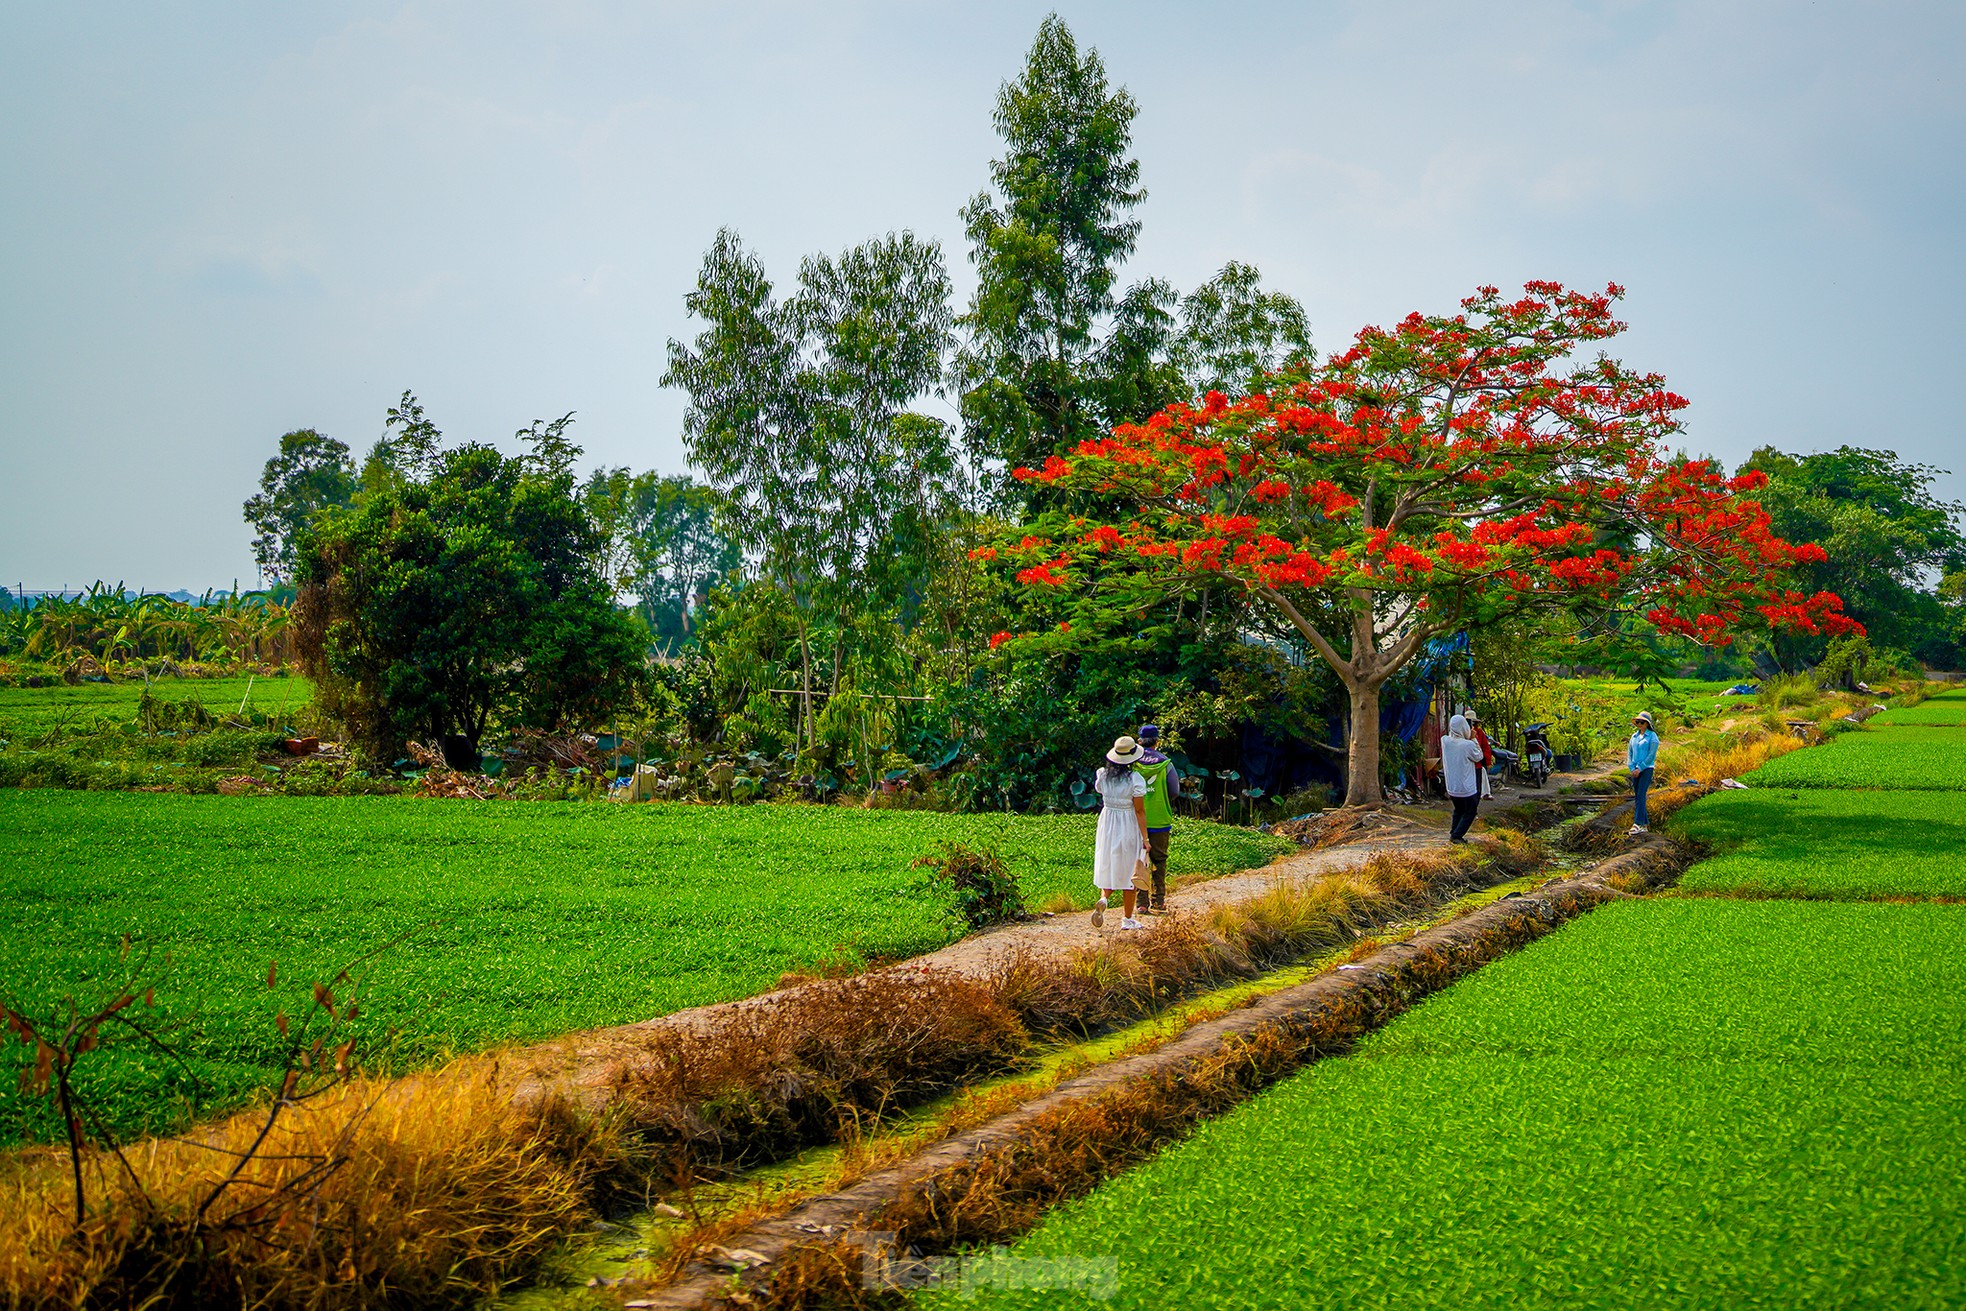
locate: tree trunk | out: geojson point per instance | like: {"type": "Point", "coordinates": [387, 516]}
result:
{"type": "Point", "coordinates": [1362, 764]}
{"type": "Point", "coordinates": [805, 675]}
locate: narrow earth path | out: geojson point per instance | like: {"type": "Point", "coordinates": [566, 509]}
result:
{"type": "Point", "coordinates": [585, 1065]}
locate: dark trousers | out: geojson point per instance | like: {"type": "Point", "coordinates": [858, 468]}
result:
{"type": "Point", "coordinates": [1464, 816]}
{"type": "Point", "coordinates": [1157, 852]}
{"type": "Point", "coordinates": [1641, 784]}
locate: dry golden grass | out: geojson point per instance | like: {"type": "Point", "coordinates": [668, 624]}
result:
{"type": "Point", "coordinates": [1731, 758]}
{"type": "Point", "coordinates": [419, 1193]}
{"type": "Point", "coordinates": [1132, 977]}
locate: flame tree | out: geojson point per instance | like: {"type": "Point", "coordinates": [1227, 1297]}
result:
{"type": "Point", "coordinates": [1442, 474]}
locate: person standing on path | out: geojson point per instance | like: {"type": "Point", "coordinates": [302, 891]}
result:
{"type": "Point", "coordinates": [1121, 843]}
{"type": "Point", "coordinates": [1460, 760]}
{"type": "Point", "coordinates": [1163, 788]}
{"type": "Point", "coordinates": [1487, 751]}
{"type": "Point", "coordinates": [1641, 755]}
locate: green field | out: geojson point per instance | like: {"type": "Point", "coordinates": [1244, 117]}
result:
{"type": "Point", "coordinates": [1823, 842]}
{"type": "Point", "coordinates": [1690, 1103]}
{"type": "Point", "coordinates": [524, 920]}
{"type": "Point", "coordinates": [1945, 708]}
{"type": "Point", "coordinates": [1897, 759]}
{"type": "Point", "coordinates": [26, 711]}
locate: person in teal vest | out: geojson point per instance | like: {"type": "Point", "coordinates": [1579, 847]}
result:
{"type": "Point", "coordinates": [1163, 788]}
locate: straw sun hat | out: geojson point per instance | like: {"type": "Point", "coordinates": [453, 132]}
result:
{"type": "Point", "coordinates": [1125, 751]}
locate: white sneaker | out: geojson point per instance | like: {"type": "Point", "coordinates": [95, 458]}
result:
{"type": "Point", "coordinates": [1637, 830]}
{"type": "Point", "coordinates": [1099, 913]}
{"type": "Point", "coordinates": [1131, 923]}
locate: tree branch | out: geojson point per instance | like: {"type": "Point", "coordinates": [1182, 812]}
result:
{"type": "Point", "coordinates": [1323, 646]}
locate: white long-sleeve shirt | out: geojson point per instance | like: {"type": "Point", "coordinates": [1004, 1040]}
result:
{"type": "Point", "coordinates": [1460, 758]}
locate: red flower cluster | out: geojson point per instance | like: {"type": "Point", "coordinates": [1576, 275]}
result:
{"type": "Point", "coordinates": [1442, 459]}
{"type": "Point", "coordinates": [1047, 573]}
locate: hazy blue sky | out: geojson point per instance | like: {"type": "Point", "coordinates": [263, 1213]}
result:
{"type": "Point", "coordinates": [219, 222]}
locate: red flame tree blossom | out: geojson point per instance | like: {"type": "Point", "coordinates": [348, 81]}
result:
{"type": "Point", "coordinates": [1444, 473]}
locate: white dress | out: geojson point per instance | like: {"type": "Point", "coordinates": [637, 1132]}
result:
{"type": "Point", "coordinates": [1120, 841]}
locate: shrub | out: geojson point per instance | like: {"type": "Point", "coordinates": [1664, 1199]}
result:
{"type": "Point", "coordinates": [985, 888]}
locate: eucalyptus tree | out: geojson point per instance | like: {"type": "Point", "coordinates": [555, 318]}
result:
{"type": "Point", "coordinates": [1033, 374]}
{"type": "Point", "coordinates": [1233, 332]}
{"type": "Point", "coordinates": [799, 418]}
{"type": "Point", "coordinates": [663, 540]}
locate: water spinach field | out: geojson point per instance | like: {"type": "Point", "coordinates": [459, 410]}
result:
{"type": "Point", "coordinates": [1747, 1092]}
{"type": "Point", "coordinates": [510, 921]}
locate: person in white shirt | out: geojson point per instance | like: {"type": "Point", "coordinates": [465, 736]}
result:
{"type": "Point", "coordinates": [1460, 761]}
{"type": "Point", "coordinates": [1122, 839]}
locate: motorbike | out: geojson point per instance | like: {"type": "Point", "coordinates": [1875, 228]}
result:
{"type": "Point", "coordinates": [1536, 759]}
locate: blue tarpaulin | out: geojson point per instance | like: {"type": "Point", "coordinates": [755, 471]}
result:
{"type": "Point", "coordinates": [1405, 718]}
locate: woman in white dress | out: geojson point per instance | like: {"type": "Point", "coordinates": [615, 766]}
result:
{"type": "Point", "coordinates": [1122, 829]}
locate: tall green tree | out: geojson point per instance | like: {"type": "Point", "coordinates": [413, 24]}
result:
{"type": "Point", "coordinates": [1890, 540]}
{"type": "Point", "coordinates": [1233, 333]}
{"type": "Point", "coordinates": [312, 473]}
{"type": "Point", "coordinates": [463, 591]}
{"type": "Point", "coordinates": [1033, 375]}
{"type": "Point", "coordinates": [799, 419]}
{"type": "Point", "coordinates": [1053, 353]}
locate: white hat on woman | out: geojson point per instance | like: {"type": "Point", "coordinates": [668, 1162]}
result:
{"type": "Point", "coordinates": [1125, 751]}
{"type": "Point", "coordinates": [1643, 716]}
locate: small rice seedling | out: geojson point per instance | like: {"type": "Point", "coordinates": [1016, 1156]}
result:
{"type": "Point", "coordinates": [1693, 1102]}
{"type": "Point", "coordinates": [1828, 843]}
{"type": "Point", "coordinates": [1899, 759]}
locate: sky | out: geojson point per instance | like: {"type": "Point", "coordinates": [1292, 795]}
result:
{"type": "Point", "coordinates": [221, 222]}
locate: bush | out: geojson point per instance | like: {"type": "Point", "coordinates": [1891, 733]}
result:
{"type": "Point", "coordinates": [986, 890]}
{"type": "Point", "coordinates": [1791, 691]}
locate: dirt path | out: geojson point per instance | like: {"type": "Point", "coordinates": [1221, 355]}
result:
{"type": "Point", "coordinates": [586, 1064]}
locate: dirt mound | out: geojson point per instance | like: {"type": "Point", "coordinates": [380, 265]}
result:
{"type": "Point", "coordinates": [1333, 828]}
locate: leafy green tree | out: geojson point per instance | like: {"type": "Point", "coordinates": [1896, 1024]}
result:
{"type": "Point", "coordinates": [663, 541]}
{"type": "Point", "coordinates": [798, 419]}
{"type": "Point", "coordinates": [1233, 333]}
{"type": "Point", "coordinates": [462, 591]}
{"type": "Point", "coordinates": [1033, 375]}
{"type": "Point", "coordinates": [1889, 539]}
{"type": "Point", "coordinates": [1053, 355]}
{"type": "Point", "coordinates": [311, 474]}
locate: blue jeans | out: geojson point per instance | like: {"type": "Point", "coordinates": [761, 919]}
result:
{"type": "Point", "coordinates": [1641, 784]}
